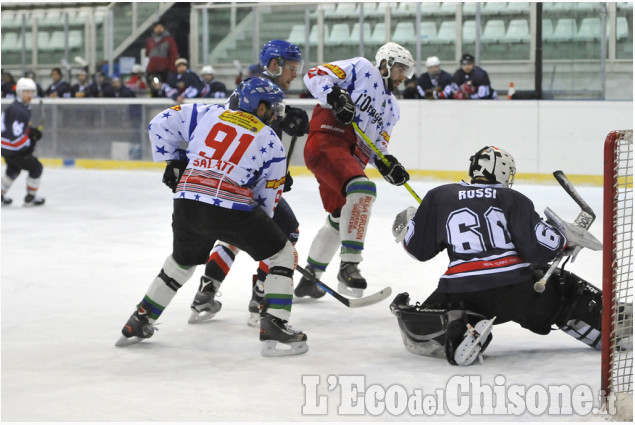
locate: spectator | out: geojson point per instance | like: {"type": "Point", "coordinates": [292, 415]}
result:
{"type": "Point", "coordinates": [59, 87]}
{"type": "Point", "coordinates": [120, 90]}
{"type": "Point", "coordinates": [436, 83]}
{"type": "Point", "coordinates": [29, 73]}
{"type": "Point", "coordinates": [8, 85]}
{"type": "Point", "coordinates": [135, 82]}
{"type": "Point", "coordinates": [211, 88]}
{"type": "Point", "coordinates": [185, 84]}
{"type": "Point", "coordinates": [254, 69]}
{"type": "Point", "coordinates": [100, 87]}
{"type": "Point", "coordinates": [81, 88]}
{"type": "Point", "coordinates": [162, 53]}
{"type": "Point", "coordinates": [471, 82]}
{"type": "Point", "coordinates": [410, 89]}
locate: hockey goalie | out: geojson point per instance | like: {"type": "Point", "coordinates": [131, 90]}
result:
{"type": "Point", "coordinates": [498, 247]}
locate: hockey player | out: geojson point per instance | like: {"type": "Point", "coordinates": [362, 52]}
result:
{"type": "Point", "coordinates": [212, 88]}
{"type": "Point", "coordinates": [498, 247]}
{"type": "Point", "coordinates": [348, 90]}
{"type": "Point", "coordinates": [185, 84]}
{"type": "Point", "coordinates": [18, 143]}
{"type": "Point", "coordinates": [436, 83]}
{"type": "Point", "coordinates": [227, 190]}
{"type": "Point", "coordinates": [471, 82]}
{"type": "Point", "coordinates": [282, 63]}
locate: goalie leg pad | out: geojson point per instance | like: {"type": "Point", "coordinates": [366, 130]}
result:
{"type": "Point", "coordinates": [360, 196]}
{"type": "Point", "coordinates": [442, 333]}
{"type": "Point", "coordinates": [581, 312]}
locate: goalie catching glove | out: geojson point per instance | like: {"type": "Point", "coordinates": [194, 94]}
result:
{"type": "Point", "coordinates": [393, 172]}
{"type": "Point", "coordinates": [342, 104]}
{"type": "Point", "coordinates": [173, 172]}
{"type": "Point", "coordinates": [577, 237]}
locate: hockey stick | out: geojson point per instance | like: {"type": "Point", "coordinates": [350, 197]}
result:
{"type": "Point", "coordinates": [382, 157]}
{"type": "Point", "coordinates": [352, 303]}
{"type": "Point", "coordinates": [291, 147]}
{"type": "Point", "coordinates": [584, 220]}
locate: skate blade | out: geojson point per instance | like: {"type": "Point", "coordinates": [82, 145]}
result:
{"type": "Point", "coordinates": [200, 317]}
{"type": "Point", "coordinates": [351, 292]}
{"type": "Point", "coordinates": [281, 349]}
{"type": "Point", "coordinates": [254, 320]}
{"type": "Point", "coordinates": [125, 342]}
{"type": "Point", "coordinates": [470, 350]}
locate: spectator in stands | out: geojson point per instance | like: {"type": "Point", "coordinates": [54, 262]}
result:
{"type": "Point", "coordinates": [80, 89]}
{"type": "Point", "coordinates": [100, 87]}
{"type": "Point", "coordinates": [471, 82]}
{"type": "Point", "coordinates": [8, 85]}
{"type": "Point", "coordinates": [185, 84]}
{"type": "Point", "coordinates": [135, 82]}
{"type": "Point", "coordinates": [162, 53]}
{"type": "Point", "coordinates": [436, 83]}
{"type": "Point", "coordinates": [211, 88]}
{"type": "Point", "coordinates": [254, 69]}
{"type": "Point", "coordinates": [120, 90]}
{"type": "Point", "coordinates": [29, 73]}
{"type": "Point", "coordinates": [59, 87]}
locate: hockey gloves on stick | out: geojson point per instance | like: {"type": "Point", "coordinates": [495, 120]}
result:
{"type": "Point", "coordinates": [400, 225]}
{"type": "Point", "coordinates": [342, 104]}
{"type": "Point", "coordinates": [577, 237]}
{"type": "Point", "coordinates": [394, 172]}
{"type": "Point", "coordinates": [295, 122]}
{"type": "Point", "coordinates": [173, 172]}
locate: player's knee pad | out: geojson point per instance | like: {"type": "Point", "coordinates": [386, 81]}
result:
{"type": "Point", "coordinates": [581, 312]}
{"type": "Point", "coordinates": [436, 332]}
{"type": "Point", "coordinates": [284, 261]}
{"type": "Point", "coordinates": [175, 275]}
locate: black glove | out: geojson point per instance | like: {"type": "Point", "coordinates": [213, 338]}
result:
{"type": "Point", "coordinates": [394, 172]}
{"type": "Point", "coordinates": [173, 172]}
{"type": "Point", "coordinates": [35, 134]}
{"type": "Point", "coordinates": [342, 104]}
{"type": "Point", "coordinates": [295, 122]}
{"type": "Point", "coordinates": [288, 182]}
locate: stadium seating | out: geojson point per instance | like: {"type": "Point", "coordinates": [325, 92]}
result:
{"type": "Point", "coordinates": [404, 33]}
{"type": "Point", "coordinates": [337, 35]}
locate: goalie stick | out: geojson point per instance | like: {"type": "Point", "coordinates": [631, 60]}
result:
{"type": "Point", "coordinates": [352, 303]}
{"type": "Point", "coordinates": [585, 218]}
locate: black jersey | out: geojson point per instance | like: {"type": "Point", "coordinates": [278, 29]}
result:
{"type": "Point", "coordinates": [438, 82]}
{"type": "Point", "coordinates": [187, 85]}
{"type": "Point", "coordinates": [480, 81]}
{"type": "Point", "coordinates": [59, 89]}
{"type": "Point", "coordinates": [15, 128]}
{"type": "Point", "coordinates": [492, 235]}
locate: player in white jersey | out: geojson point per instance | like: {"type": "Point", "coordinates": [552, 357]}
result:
{"type": "Point", "coordinates": [351, 90]}
{"type": "Point", "coordinates": [228, 189]}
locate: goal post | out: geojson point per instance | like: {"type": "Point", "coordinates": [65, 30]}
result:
{"type": "Point", "coordinates": [617, 272]}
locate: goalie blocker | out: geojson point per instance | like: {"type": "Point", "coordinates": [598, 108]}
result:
{"type": "Point", "coordinates": [449, 325]}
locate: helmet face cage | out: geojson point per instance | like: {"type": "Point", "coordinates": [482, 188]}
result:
{"type": "Point", "coordinates": [393, 53]}
{"type": "Point", "coordinates": [494, 164]}
{"type": "Point", "coordinates": [282, 51]}
{"type": "Point", "coordinates": [254, 90]}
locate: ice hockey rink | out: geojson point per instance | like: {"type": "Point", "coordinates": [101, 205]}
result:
{"type": "Point", "coordinates": [73, 271]}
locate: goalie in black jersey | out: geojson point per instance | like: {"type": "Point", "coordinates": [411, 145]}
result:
{"type": "Point", "coordinates": [498, 247]}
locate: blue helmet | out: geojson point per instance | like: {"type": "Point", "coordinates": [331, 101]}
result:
{"type": "Point", "coordinates": [281, 50]}
{"type": "Point", "coordinates": [254, 90]}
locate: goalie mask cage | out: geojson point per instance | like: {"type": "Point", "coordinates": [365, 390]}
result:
{"type": "Point", "coordinates": [617, 275]}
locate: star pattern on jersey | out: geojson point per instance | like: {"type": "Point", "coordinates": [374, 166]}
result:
{"type": "Point", "coordinates": [263, 150]}
{"type": "Point", "coordinates": [261, 201]}
{"type": "Point", "coordinates": [325, 87]}
{"type": "Point", "coordinates": [367, 75]}
{"type": "Point", "coordinates": [161, 150]}
{"type": "Point", "coordinates": [158, 136]}
{"type": "Point", "coordinates": [272, 133]}
{"type": "Point", "coordinates": [217, 202]}
{"type": "Point", "coordinates": [197, 197]}
{"type": "Point", "coordinates": [166, 115]}
{"type": "Point", "coordinates": [271, 144]}
{"type": "Point", "coordinates": [149, 126]}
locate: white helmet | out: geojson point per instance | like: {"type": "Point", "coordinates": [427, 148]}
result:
{"type": "Point", "coordinates": [432, 61]}
{"type": "Point", "coordinates": [24, 84]}
{"type": "Point", "coordinates": [394, 53]}
{"type": "Point", "coordinates": [207, 70]}
{"type": "Point", "coordinates": [494, 164]}
{"type": "Point", "coordinates": [137, 69]}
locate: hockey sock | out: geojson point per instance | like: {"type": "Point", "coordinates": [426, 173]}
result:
{"type": "Point", "coordinates": [360, 196]}
{"type": "Point", "coordinates": [324, 245]}
{"type": "Point", "coordinates": [279, 282]}
{"type": "Point", "coordinates": [32, 185]}
{"type": "Point", "coordinates": [163, 288]}
{"type": "Point", "coordinates": [6, 183]}
{"type": "Point", "coordinates": [220, 261]}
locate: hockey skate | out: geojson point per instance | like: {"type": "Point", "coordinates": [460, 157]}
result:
{"type": "Point", "coordinates": [32, 201]}
{"type": "Point", "coordinates": [475, 341]}
{"type": "Point", "coordinates": [6, 201]}
{"type": "Point", "coordinates": [306, 288]}
{"type": "Point", "coordinates": [257, 296]}
{"type": "Point", "coordinates": [279, 339]}
{"type": "Point", "coordinates": [137, 328]}
{"type": "Point", "coordinates": [204, 307]}
{"type": "Point", "coordinates": [350, 280]}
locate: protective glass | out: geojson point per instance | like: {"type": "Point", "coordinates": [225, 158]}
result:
{"type": "Point", "coordinates": [294, 66]}
{"type": "Point", "coordinates": [399, 69]}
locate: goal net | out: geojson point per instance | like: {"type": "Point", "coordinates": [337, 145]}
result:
{"type": "Point", "coordinates": [617, 312]}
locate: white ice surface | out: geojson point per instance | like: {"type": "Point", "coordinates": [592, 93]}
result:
{"type": "Point", "coordinates": [73, 270]}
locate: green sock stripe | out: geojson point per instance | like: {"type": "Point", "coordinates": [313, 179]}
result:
{"type": "Point", "coordinates": [155, 308]}
{"type": "Point", "coordinates": [334, 224]}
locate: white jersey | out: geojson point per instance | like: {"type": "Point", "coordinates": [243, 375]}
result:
{"type": "Point", "coordinates": [377, 110]}
{"type": "Point", "coordinates": [235, 160]}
